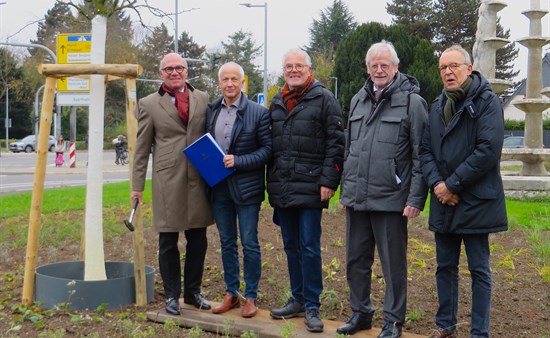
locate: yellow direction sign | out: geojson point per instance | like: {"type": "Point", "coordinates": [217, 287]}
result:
{"type": "Point", "coordinates": [74, 48]}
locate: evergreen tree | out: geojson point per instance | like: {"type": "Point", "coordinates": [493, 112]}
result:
{"type": "Point", "coordinates": [240, 48]}
{"type": "Point", "coordinates": [189, 49]}
{"type": "Point", "coordinates": [326, 33]}
{"type": "Point", "coordinates": [416, 16]}
{"type": "Point", "coordinates": [455, 22]}
{"type": "Point", "coordinates": [505, 56]}
{"type": "Point", "coordinates": [58, 19]}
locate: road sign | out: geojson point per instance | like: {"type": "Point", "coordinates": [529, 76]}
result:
{"type": "Point", "coordinates": [261, 99]}
{"type": "Point", "coordinates": [74, 48]}
{"type": "Point", "coordinates": [73, 99]}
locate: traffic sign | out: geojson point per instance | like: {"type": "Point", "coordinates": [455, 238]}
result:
{"type": "Point", "coordinates": [261, 99]}
{"type": "Point", "coordinates": [74, 48]}
{"type": "Point", "coordinates": [73, 99]}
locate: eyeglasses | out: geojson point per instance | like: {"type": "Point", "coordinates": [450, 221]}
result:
{"type": "Point", "coordinates": [452, 67]}
{"type": "Point", "coordinates": [374, 67]}
{"type": "Point", "coordinates": [299, 67]}
{"type": "Point", "coordinates": [170, 70]}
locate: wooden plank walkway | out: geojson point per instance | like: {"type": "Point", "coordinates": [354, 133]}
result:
{"type": "Point", "coordinates": [262, 324]}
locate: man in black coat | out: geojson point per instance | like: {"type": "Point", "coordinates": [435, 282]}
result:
{"type": "Point", "coordinates": [308, 150]}
{"type": "Point", "coordinates": [460, 157]}
{"type": "Point", "coordinates": [242, 130]}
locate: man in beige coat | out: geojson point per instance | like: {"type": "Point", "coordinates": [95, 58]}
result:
{"type": "Point", "coordinates": [169, 120]}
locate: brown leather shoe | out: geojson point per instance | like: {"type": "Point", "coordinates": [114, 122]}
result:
{"type": "Point", "coordinates": [229, 302]}
{"type": "Point", "coordinates": [249, 309]}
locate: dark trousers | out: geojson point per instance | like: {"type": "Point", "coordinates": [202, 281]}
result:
{"type": "Point", "coordinates": [448, 256]}
{"type": "Point", "coordinates": [388, 232]}
{"type": "Point", "coordinates": [170, 266]}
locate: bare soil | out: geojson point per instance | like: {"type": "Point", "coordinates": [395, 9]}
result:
{"type": "Point", "coordinates": [520, 308]}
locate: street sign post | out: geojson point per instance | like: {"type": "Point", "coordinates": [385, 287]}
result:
{"type": "Point", "coordinates": [261, 99]}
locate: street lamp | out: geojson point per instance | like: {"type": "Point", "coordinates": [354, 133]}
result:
{"type": "Point", "coordinates": [176, 25]}
{"type": "Point", "coordinates": [265, 45]}
{"type": "Point", "coordinates": [335, 86]}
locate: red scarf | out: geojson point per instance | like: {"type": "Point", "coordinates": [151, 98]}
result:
{"type": "Point", "coordinates": [182, 101]}
{"type": "Point", "coordinates": [292, 97]}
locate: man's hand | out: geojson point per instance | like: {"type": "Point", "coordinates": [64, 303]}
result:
{"type": "Point", "coordinates": [411, 212]}
{"type": "Point", "coordinates": [137, 195]}
{"type": "Point", "coordinates": [444, 196]}
{"type": "Point", "coordinates": [326, 193]}
{"type": "Point", "coordinates": [229, 161]}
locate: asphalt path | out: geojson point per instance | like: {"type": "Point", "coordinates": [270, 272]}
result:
{"type": "Point", "coordinates": [17, 171]}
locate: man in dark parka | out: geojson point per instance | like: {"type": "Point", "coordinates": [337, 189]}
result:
{"type": "Point", "coordinates": [460, 156]}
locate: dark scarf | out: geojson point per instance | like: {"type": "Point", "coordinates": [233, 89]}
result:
{"type": "Point", "coordinates": [454, 96]}
{"type": "Point", "coordinates": [182, 101]}
{"type": "Point", "coordinates": [292, 97]}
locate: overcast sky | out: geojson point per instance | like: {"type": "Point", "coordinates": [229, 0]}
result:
{"type": "Point", "coordinates": [288, 21]}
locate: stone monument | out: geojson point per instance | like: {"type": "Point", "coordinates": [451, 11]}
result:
{"type": "Point", "coordinates": [533, 178]}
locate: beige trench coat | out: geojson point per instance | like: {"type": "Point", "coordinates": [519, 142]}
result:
{"type": "Point", "coordinates": [180, 201]}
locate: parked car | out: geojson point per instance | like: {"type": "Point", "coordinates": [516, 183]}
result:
{"type": "Point", "coordinates": [28, 144]}
{"type": "Point", "coordinates": [514, 142]}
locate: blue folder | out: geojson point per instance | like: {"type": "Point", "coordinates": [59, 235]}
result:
{"type": "Point", "coordinates": [207, 157]}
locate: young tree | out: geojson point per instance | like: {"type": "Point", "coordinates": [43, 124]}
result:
{"type": "Point", "coordinates": [416, 16]}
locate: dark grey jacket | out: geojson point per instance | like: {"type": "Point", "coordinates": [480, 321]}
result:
{"type": "Point", "coordinates": [466, 156]}
{"type": "Point", "coordinates": [308, 149]}
{"type": "Point", "coordinates": [251, 145]}
{"type": "Point", "coordinates": [382, 169]}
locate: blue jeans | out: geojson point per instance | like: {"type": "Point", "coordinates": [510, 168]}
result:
{"type": "Point", "coordinates": [448, 255]}
{"type": "Point", "coordinates": [226, 213]}
{"type": "Point", "coordinates": [301, 231]}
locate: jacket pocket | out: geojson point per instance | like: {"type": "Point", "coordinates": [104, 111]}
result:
{"type": "Point", "coordinates": [165, 164]}
{"type": "Point", "coordinates": [483, 192]}
{"type": "Point", "coordinates": [161, 151]}
{"type": "Point", "coordinates": [389, 129]}
{"type": "Point", "coordinates": [355, 123]}
{"type": "Point", "coordinates": [307, 169]}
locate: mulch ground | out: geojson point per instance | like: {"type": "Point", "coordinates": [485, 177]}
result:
{"type": "Point", "coordinates": [520, 307]}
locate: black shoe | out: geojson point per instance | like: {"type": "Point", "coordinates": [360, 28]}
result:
{"type": "Point", "coordinates": [172, 306]}
{"type": "Point", "coordinates": [292, 308]}
{"type": "Point", "coordinates": [391, 330]}
{"type": "Point", "coordinates": [313, 320]}
{"type": "Point", "coordinates": [357, 322]}
{"type": "Point", "coordinates": [198, 301]}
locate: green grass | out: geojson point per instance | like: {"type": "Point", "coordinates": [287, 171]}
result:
{"type": "Point", "coordinates": [68, 199]}
{"type": "Point", "coordinates": [62, 215]}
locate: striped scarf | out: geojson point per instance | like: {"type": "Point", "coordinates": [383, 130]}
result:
{"type": "Point", "coordinates": [291, 97]}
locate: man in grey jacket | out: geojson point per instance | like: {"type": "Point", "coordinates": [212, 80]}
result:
{"type": "Point", "coordinates": [382, 186]}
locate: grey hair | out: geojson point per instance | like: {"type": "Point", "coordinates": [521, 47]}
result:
{"type": "Point", "coordinates": [298, 51]}
{"type": "Point", "coordinates": [161, 65]}
{"type": "Point", "coordinates": [380, 47]}
{"type": "Point", "coordinates": [461, 50]}
{"type": "Point", "coordinates": [241, 70]}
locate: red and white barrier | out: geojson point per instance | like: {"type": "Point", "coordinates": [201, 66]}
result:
{"type": "Point", "coordinates": [72, 154]}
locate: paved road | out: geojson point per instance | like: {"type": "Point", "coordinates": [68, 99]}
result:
{"type": "Point", "coordinates": [17, 171]}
